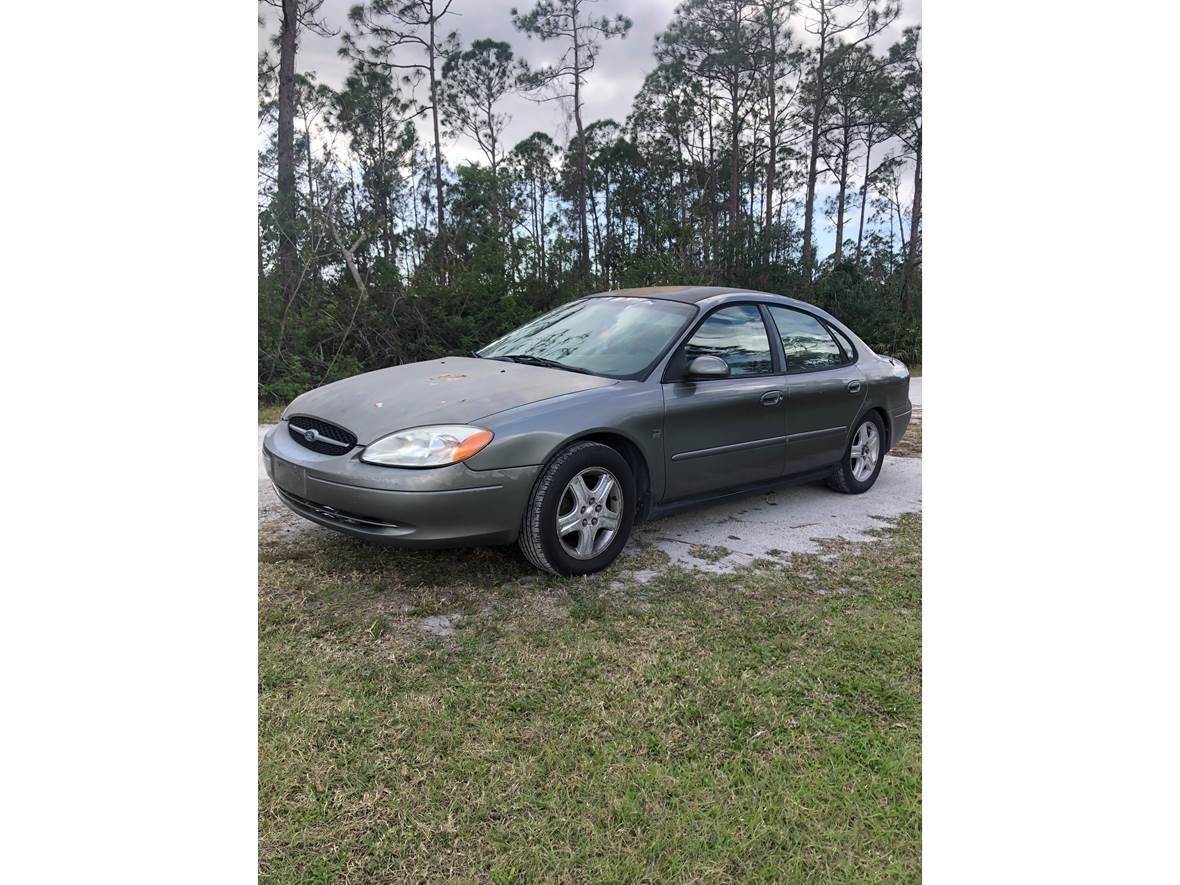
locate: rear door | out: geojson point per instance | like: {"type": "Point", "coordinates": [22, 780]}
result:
{"type": "Point", "coordinates": [724, 432]}
{"type": "Point", "coordinates": [825, 390]}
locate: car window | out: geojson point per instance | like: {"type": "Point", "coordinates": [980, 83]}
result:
{"type": "Point", "coordinates": [845, 343]}
{"type": "Point", "coordinates": [613, 336]}
{"type": "Point", "coordinates": [806, 343]}
{"type": "Point", "coordinates": [737, 335]}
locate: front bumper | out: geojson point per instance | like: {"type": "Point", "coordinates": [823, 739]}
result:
{"type": "Point", "coordinates": [434, 507]}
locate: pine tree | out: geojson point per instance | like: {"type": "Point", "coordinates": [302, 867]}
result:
{"type": "Point", "coordinates": [570, 23]}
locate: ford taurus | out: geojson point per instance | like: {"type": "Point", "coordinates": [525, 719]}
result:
{"type": "Point", "coordinates": [563, 434]}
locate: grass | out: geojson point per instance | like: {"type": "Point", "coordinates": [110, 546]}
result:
{"type": "Point", "coordinates": [708, 553]}
{"type": "Point", "coordinates": [756, 726]}
{"type": "Point", "coordinates": [269, 413]}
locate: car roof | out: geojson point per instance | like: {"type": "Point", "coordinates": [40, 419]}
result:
{"type": "Point", "coordinates": [687, 294]}
{"type": "Point", "coordinates": [697, 294]}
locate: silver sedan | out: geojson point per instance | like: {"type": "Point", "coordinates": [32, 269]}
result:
{"type": "Point", "coordinates": [564, 433]}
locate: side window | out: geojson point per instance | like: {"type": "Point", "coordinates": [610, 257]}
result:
{"type": "Point", "coordinates": [845, 343]}
{"type": "Point", "coordinates": [807, 344]}
{"type": "Point", "coordinates": [737, 335]}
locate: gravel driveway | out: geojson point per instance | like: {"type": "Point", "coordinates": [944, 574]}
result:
{"type": "Point", "coordinates": [721, 536]}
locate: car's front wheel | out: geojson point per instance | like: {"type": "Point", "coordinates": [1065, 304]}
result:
{"type": "Point", "coordinates": [580, 512]}
{"type": "Point", "coordinates": [862, 459]}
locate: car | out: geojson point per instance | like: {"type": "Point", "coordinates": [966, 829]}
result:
{"type": "Point", "coordinates": [565, 433]}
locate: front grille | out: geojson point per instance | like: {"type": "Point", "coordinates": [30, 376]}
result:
{"type": "Point", "coordinates": [331, 513]}
{"type": "Point", "coordinates": [320, 436]}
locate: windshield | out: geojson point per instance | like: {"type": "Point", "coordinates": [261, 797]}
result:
{"type": "Point", "coordinates": [617, 337]}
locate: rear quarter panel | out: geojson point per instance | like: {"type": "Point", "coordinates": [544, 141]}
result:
{"type": "Point", "coordinates": [888, 382]}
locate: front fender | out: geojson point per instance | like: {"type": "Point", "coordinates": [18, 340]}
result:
{"type": "Point", "coordinates": [530, 435]}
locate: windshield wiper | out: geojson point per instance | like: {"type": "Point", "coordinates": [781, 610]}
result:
{"type": "Point", "coordinates": [530, 360]}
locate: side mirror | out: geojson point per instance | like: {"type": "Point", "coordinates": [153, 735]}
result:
{"type": "Point", "coordinates": [705, 367]}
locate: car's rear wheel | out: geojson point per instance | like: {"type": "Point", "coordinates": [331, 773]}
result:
{"type": "Point", "coordinates": [862, 459]}
{"type": "Point", "coordinates": [580, 512]}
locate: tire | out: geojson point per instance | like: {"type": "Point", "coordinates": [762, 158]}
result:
{"type": "Point", "coordinates": [569, 487]}
{"type": "Point", "coordinates": [850, 477]}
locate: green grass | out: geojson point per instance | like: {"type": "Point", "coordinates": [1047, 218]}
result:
{"type": "Point", "coordinates": [707, 553]}
{"type": "Point", "coordinates": [756, 726]}
{"type": "Point", "coordinates": [269, 413]}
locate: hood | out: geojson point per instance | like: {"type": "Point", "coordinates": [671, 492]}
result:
{"type": "Point", "coordinates": [453, 390]}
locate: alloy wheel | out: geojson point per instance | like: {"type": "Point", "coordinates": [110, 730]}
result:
{"type": "Point", "coordinates": [866, 451]}
{"type": "Point", "coordinates": [589, 513]}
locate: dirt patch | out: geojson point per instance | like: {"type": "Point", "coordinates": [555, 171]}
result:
{"type": "Point", "coordinates": [739, 531]}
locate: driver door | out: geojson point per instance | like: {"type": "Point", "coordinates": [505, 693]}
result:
{"type": "Point", "coordinates": [725, 432]}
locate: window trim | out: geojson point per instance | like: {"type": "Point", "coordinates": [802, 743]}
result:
{"type": "Point", "coordinates": [777, 361]}
{"type": "Point", "coordinates": [778, 353]}
{"type": "Point", "coordinates": [823, 325]}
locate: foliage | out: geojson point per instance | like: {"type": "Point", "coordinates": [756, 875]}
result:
{"type": "Point", "coordinates": [474, 81]}
{"type": "Point", "coordinates": [736, 128]}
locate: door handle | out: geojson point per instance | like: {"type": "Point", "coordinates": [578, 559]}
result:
{"type": "Point", "coordinates": [772, 397]}
{"type": "Point", "coordinates": [854, 387]}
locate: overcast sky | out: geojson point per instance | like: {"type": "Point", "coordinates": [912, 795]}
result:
{"type": "Point", "coordinates": [610, 87]}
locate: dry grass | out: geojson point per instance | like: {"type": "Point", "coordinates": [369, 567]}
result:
{"type": "Point", "coordinates": [269, 413]}
{"type": "Point", "coordinates": [910, 445]}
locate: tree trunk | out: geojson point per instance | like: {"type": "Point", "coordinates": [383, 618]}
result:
{"type": "Point", "coordinates": [753, 178]}
{"type": "Point", "coordinates": [606, 225]}
{"type": "Point", "coordinates": [813, 163]}
{"type": "Point", "coordinates": [285, 196]}
{"type": "Point", "coordinates": [313, 258]}
{"type": "Point", "coordinates": [710, 245]}
{"type": "Point", "coordinates": [310, 168]}
{"type": "Point", "coordinates": [440, 240]}
{"type": "Point", "coordinates": [734, 182]}
{"type": "Point", "coordinates": [809, 202]}
{"type": "Point", "coordinates": [916, 212]}
{"type": "Point", "coordinates": [583, 232]}
{"type": "Point", "coordinates": [772, 137]}
{"type": "Point", "coordinates": [915, 250]}
{"type": "Point", "coordinates": [598, 251]}
{"type": "Point", "coordinates": [381, 203]}
{"type": "Point", "coordinates": [864, 195]}
{"type": "Point", "coordinates": [838, 256]}
{"type": "Point", "coordinates": [534, 227]}
{"type": "Point", "coordinates": [681, 245]}
{"type": "Point", "coordinates": [900, 220]}
{"type": "Point", "coordinates": [490, 116]}
{"type": "Point", "coordinates": [544, 196]}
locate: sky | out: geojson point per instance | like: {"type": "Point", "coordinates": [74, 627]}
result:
{"type": "Point", "coordinates": [610, 87]}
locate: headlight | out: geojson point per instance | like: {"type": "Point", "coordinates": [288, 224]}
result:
{"type": "Point", "coordinates": [427, 446]}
